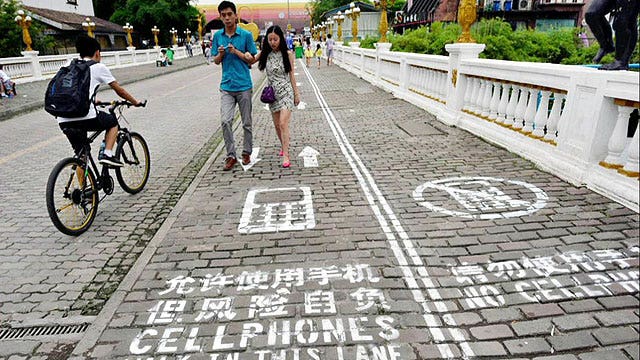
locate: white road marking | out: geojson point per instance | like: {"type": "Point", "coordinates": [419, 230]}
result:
{"type": "Point", "coordinates": [254, 159]}
{"type": "Point", "coordinates": [310, 156]}
{"type": "Point", "coordinates": [274, 217]}
{"type": "Point", "coordinates": [391, 227]}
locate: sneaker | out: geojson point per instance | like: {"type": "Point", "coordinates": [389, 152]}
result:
{"type": "Point", "coordinates": [110, 160]}
{"type": "Point", "coordinates": [229, 163]}
{"type": "Point", "coordinates": [246, 159]}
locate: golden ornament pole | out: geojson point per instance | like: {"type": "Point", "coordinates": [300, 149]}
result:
{"type": "Point", "coordinates": [466, 18]}
{"type": "Point", "coordinates": [128, 29]}
{"type": "Point", "coordinates": [339, 19]}
{"type": "Point", "coordinates": [187, 34]}
{"type": "Point", "coordinates": [174, 36]}
{"type": "Point", "coordinates": [155, 32]}
{"type": "Point", "coordinates": [383, 5]}
{"type": "Point", "coordinates": [199, 19]}
{"type": "Point", "coordinates": [24, 21]}
{"type": "Point", "coordinates": [353, 13]}
{"type": "Point", "coordinates": [89, 25]}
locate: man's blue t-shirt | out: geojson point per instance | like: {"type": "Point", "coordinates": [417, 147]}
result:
{"type": "Point", "coordinates": [235, 72]}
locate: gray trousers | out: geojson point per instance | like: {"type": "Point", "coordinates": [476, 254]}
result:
{"type": "Point", "coordinates": [228, 101]}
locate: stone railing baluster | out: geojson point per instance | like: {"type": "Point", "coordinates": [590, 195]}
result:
{"type": "Point", "coordinates": [540, 120]}
{"type": "Point", "coordinates": [618, 139]}
{"type": "Point", "coordinates": [554, 118]}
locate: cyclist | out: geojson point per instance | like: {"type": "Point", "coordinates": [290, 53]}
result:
{"type": "Point", "coordinates": [76, 128]}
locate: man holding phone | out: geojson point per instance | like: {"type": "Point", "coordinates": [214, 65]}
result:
{"type": "Point", "coordinates": [235, 49]}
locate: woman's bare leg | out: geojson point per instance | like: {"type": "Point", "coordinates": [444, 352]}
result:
{"type": "Point", "coordinates": [276, 124]}
{"type": "Point", "coordinates": [285, 116]}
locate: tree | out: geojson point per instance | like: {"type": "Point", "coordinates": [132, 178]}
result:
{"type": "Point", "coordinates": [319, 7]}
{"type": "Point", "coordinates": [11, 40]}
{"type": "Point", "coordinates": [105, 8]}
{"type": "Point", "coordinates": [165, 14]}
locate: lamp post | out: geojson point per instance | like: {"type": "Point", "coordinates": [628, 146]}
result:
{"type": "Point", "coordinates": [128, 28]}
{"type": "Point", "coordinates": [330, 26]}
{"type": "Point", "coordinates": [89, 25]}
{"type": "Point", "coordinates": [383, 5]}
{"type": "Point", "coordinates": [339, 18]}
{"type": "Point", "coordinates": [155, 32]}
{"type": "Point", "coordinates": [187, 34]}
{"type": "Point", "coordinates": [323, 27]}
{"type": "Point", "coordinates": [199, 19]}
{"type": "Point", "coordinates": [174, 37]}
{"type": "Point", "coordinates": [353, 13]}
{"type": "Point", "coordinates": [24, 21]}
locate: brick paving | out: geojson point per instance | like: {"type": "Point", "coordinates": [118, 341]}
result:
{"type": "Point", "coordinates": [380, 271]}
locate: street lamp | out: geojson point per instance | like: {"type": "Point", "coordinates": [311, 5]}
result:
{"type": "Point", "coordinates": [129, 28]}
{"type": "Point", "coordinates": [24, 21]}
{"type": "Point", "coordinates": [89, 25]}
{"type": "Point", "coordinates": [339, 18]}
{"type": "Point", "coordinates": [330, 26]}
{"type": "Point", "coordinates": [174, 36]}
{"type": "Point", "coordinates": [353, 13]}
{"type": "Point", "coordinates": [384, 24]}
{"type": "Point", "coordinates": [187, 34]}
{"type": "Point", "coordinates": [155, 32]}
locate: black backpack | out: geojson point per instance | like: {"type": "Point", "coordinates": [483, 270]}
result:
{"type": "Point", "coordinates": [68, 92]}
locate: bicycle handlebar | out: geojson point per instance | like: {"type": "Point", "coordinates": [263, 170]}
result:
{"type": "Point", "coordinates": [115, 103]}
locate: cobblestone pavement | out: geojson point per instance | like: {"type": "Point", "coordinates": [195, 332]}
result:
{"type": "Point", "coordinates": [47, 278]}
{"type": "Point", "coordinates": [31, 94]}
{"type": "Point", "coordinates": [409, 240]}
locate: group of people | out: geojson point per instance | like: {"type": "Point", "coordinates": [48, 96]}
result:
{"type": "Point", "coordinates": [310, 53]}
{"type": "Point", "coordinates": [165, 58]}
{"type": "Point", "coordinates": [234, 48]}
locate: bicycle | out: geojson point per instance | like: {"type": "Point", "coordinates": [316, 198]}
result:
{"type": "Point", "coordinates": [74, 183]}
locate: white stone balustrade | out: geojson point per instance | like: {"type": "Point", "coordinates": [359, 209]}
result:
{"type": "Point", "coordinates": [571, 114]}
{"type": "Point", "coordinates": [32, 67]}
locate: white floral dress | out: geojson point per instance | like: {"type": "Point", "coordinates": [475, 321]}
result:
{"type": "Point", "coordinates": [280, 81]}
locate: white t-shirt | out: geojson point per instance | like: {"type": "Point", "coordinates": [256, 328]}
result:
{"type": "Point", "coordinates": [3, 76]}
{"type": "Point", "coordinates": [100, 74]}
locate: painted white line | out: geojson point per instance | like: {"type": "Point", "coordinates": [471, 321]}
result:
{"type": "Point", "coordinates": [377, 202]}
{"type": "Point", "coordinates": [31, 149]}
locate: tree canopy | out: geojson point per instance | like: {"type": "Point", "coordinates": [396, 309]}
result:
{"type": "Point", "coordinates": [165, 14]}
{"type": "Point", "coordinates": [11, 41]}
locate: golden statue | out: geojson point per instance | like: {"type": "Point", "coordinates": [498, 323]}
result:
{"type": "Point", "coordinates": [251, 26]}
{"type": "Point", "coordinates": [466, 18]}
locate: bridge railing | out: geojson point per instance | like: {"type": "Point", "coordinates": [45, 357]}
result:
{"type": "Point", "coordinates": [32, 67]}
{"type": "Point", "coordinates": [572, 121]}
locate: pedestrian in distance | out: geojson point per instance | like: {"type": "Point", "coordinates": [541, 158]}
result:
{"type": "Point", "coordinates": [329, 46]}
{"type": "Point", "coordinates": [207, 54]}
{"type": "Point", "coordinates": [161, 60]}
{"type": "Point", "coordinates": [308, 53]}
{"type": "Point", "coordinates": [76, 128]}
{"type": "Point", "coordinates": [318, 54]}
{"type": "Point", "coordinates": [278, 62]}
{"type": "Point", "coordinates": [233, 47]}
{"type": "Point", "coordinates": [7, 86]}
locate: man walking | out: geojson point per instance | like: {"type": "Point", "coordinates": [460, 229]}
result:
{"type": "Point", "coordinates": [235, 49]}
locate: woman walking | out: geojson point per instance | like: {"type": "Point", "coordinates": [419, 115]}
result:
{"type": "Point", "coordinates": [279, 64]}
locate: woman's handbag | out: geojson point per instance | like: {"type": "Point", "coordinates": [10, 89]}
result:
{"type": "Point", "coordinates": [268, 95]}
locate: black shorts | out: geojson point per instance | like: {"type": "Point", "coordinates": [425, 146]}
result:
{"type": "Point", "coordinates": [76, 131]}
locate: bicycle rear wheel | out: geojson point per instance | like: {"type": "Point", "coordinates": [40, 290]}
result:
{"type": "Point", "coordinates": [133, 151]}
{"type": "Point", "coordinates": [72, 197]}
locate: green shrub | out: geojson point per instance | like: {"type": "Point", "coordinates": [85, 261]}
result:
{"type": "Point", "coordinates": [561, 46]}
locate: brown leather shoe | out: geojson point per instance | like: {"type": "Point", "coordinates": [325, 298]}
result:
{"type": "Point", "coordinates": [229, 163]}
{"type": "Point", "coordinates": [246, 159]}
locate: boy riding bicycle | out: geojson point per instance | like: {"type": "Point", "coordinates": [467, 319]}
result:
{"type": "Point", "coordinates": [76, 128]}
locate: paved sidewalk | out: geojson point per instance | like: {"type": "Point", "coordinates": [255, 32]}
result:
{"type": "Point", "coordinates": [408, 240]}
{"type": "Point", "coordinates": [31, 95]}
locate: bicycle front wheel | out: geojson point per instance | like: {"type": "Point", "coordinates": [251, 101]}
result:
{"type": "Point", "coordinates": [72, 197]}
{"type": "Point", "coordinates": [133, 151]}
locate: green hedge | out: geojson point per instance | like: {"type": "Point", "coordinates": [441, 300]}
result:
{"type": "Point", "coordinates": [562, 46]}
